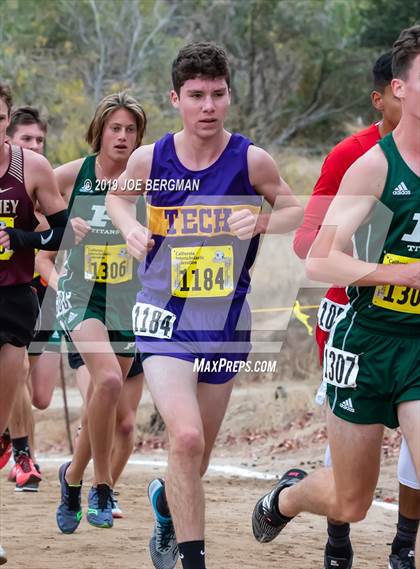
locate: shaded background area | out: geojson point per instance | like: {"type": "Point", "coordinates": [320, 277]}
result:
{"type": "Point", "coordinates": [300, 68]}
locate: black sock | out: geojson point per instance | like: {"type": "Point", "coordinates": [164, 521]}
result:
{"type": "Point", "coordinates": [104, 496]}
{"type": "Point", "coordinates": [6, 439]}
{"type": "Point", "coordinates": [162, 504]}
{"type": "Point", "coordinates": [338, 534]}
{"type": "Point", "coordinates": [20, 445]}
{"type": "Point", "coordinates": [278, 516]}
{"type": "Point", "coordinates": [192, 554]}
{"type": "Point", "coordinates": [339, 544]}
{"type": "Point", "coordinates": [406, 534]}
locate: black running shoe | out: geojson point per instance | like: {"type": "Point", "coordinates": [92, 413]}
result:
{"type": "Point", "coordinates": [334, 562]}
{"type": "Point", "coordinates": [404, 559]}
{"type": "Point", "coordinates": [266, 524]}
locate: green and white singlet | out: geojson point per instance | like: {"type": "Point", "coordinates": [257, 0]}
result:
{"type": "Point", "coordinates": [371, 360]}
{"type": "Point", "coordinates": [99, 279]}
{"type": "Point", "coordinates": [396, 308]}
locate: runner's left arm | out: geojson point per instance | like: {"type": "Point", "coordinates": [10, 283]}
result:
{"type": "Point", "coordinates": [45, 260]}
{"type": "Point", "coordinates": [264, 176]}
{"type": "Point", "coordinates": [333, 169]}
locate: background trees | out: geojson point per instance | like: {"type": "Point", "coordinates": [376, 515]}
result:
{"type": "Point", "coordinates": [300, 68]}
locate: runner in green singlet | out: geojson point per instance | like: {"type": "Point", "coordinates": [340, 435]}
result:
{"type": "Point", "coordinates": [94, 301]}
{"type": "Point", "coordinates": [371, 362]}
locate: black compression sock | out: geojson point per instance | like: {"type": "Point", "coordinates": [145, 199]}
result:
{"type": "Point", "coordinates": [192, 554]}
{"type": "Point", "coordinates": [339, 544]}
{"type": "Point", "coordinates": [20, 445]}
{"type": "Point", "coordinates": [5, 440]}
{"type": "Point", "coordinates": [338, 534]}
{"type": "Point", "coordinates": [345, 552]}
{"type": "Point", "coordinates": [406, 534]}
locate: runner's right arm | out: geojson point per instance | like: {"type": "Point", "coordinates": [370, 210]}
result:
{"type": "Point", "coordinates": [328, 261]}
{"type": "Point", "coordinates": [121, 204]}
{"type": "Point", "coordinates": [45, 266]}
{"type": "Point", "coordinates": [66, 176]}
{"type": "Point", "coordinates": [45, 260]}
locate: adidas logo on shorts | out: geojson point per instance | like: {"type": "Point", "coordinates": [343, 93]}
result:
{"type": "Point", "coordinates": [401, 190]}
{"type": "Point", "coordinates": [347, 405]}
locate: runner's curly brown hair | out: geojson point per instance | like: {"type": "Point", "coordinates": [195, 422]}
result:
{"type": "Point", "coordinates": [203, 59]}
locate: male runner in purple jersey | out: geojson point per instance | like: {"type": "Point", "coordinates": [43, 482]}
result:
{"type": "Point", "coordinates": [204, 190]}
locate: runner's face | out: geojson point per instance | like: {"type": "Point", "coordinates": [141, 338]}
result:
{"type": "Point", "coordinates": [29, 136]}
{"type": "Point", "coordinates": [4, 121]}
{"type": "Point", "coordinates": [408, 90]}
{"type": "Point", "coordinates": [391, 107]}
{"type": "Point", "coordinates": [203, 104]}
{"type": "Point", "coordinates": [119, 135]}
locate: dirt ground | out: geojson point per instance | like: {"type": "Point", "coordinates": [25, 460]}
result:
{"type": "Point", "coordinates": [30, 535]}
{"type": "Point", "coordinates": [33, 541]}
{"type": "Point", "coordinates": [272, 424]}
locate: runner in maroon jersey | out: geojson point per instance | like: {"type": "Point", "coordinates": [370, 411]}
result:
{"type": "Point", "coordinates": [28, 130]}
{"type": "Point", "coordinates": [338, 549]}
{"type": "Point", "coordinates": [25, 177]}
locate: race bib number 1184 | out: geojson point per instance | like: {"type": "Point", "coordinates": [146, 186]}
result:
{"type": "Point", "coordinates": [149, 320]}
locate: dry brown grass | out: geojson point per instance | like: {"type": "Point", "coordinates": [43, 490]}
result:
{"type": "Point", "coordinates": [300, 169]}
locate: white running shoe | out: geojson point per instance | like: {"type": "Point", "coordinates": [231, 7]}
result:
{"type": "Point", "coordinates": [116, 510]}
{"type": "Point", "coordinates": [3, 556]}
{"type": "Point", "coordinates": [163, 546]}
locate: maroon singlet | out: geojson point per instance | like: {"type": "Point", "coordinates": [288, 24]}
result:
{"type": "Point", "coordinates": [16, 210]}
